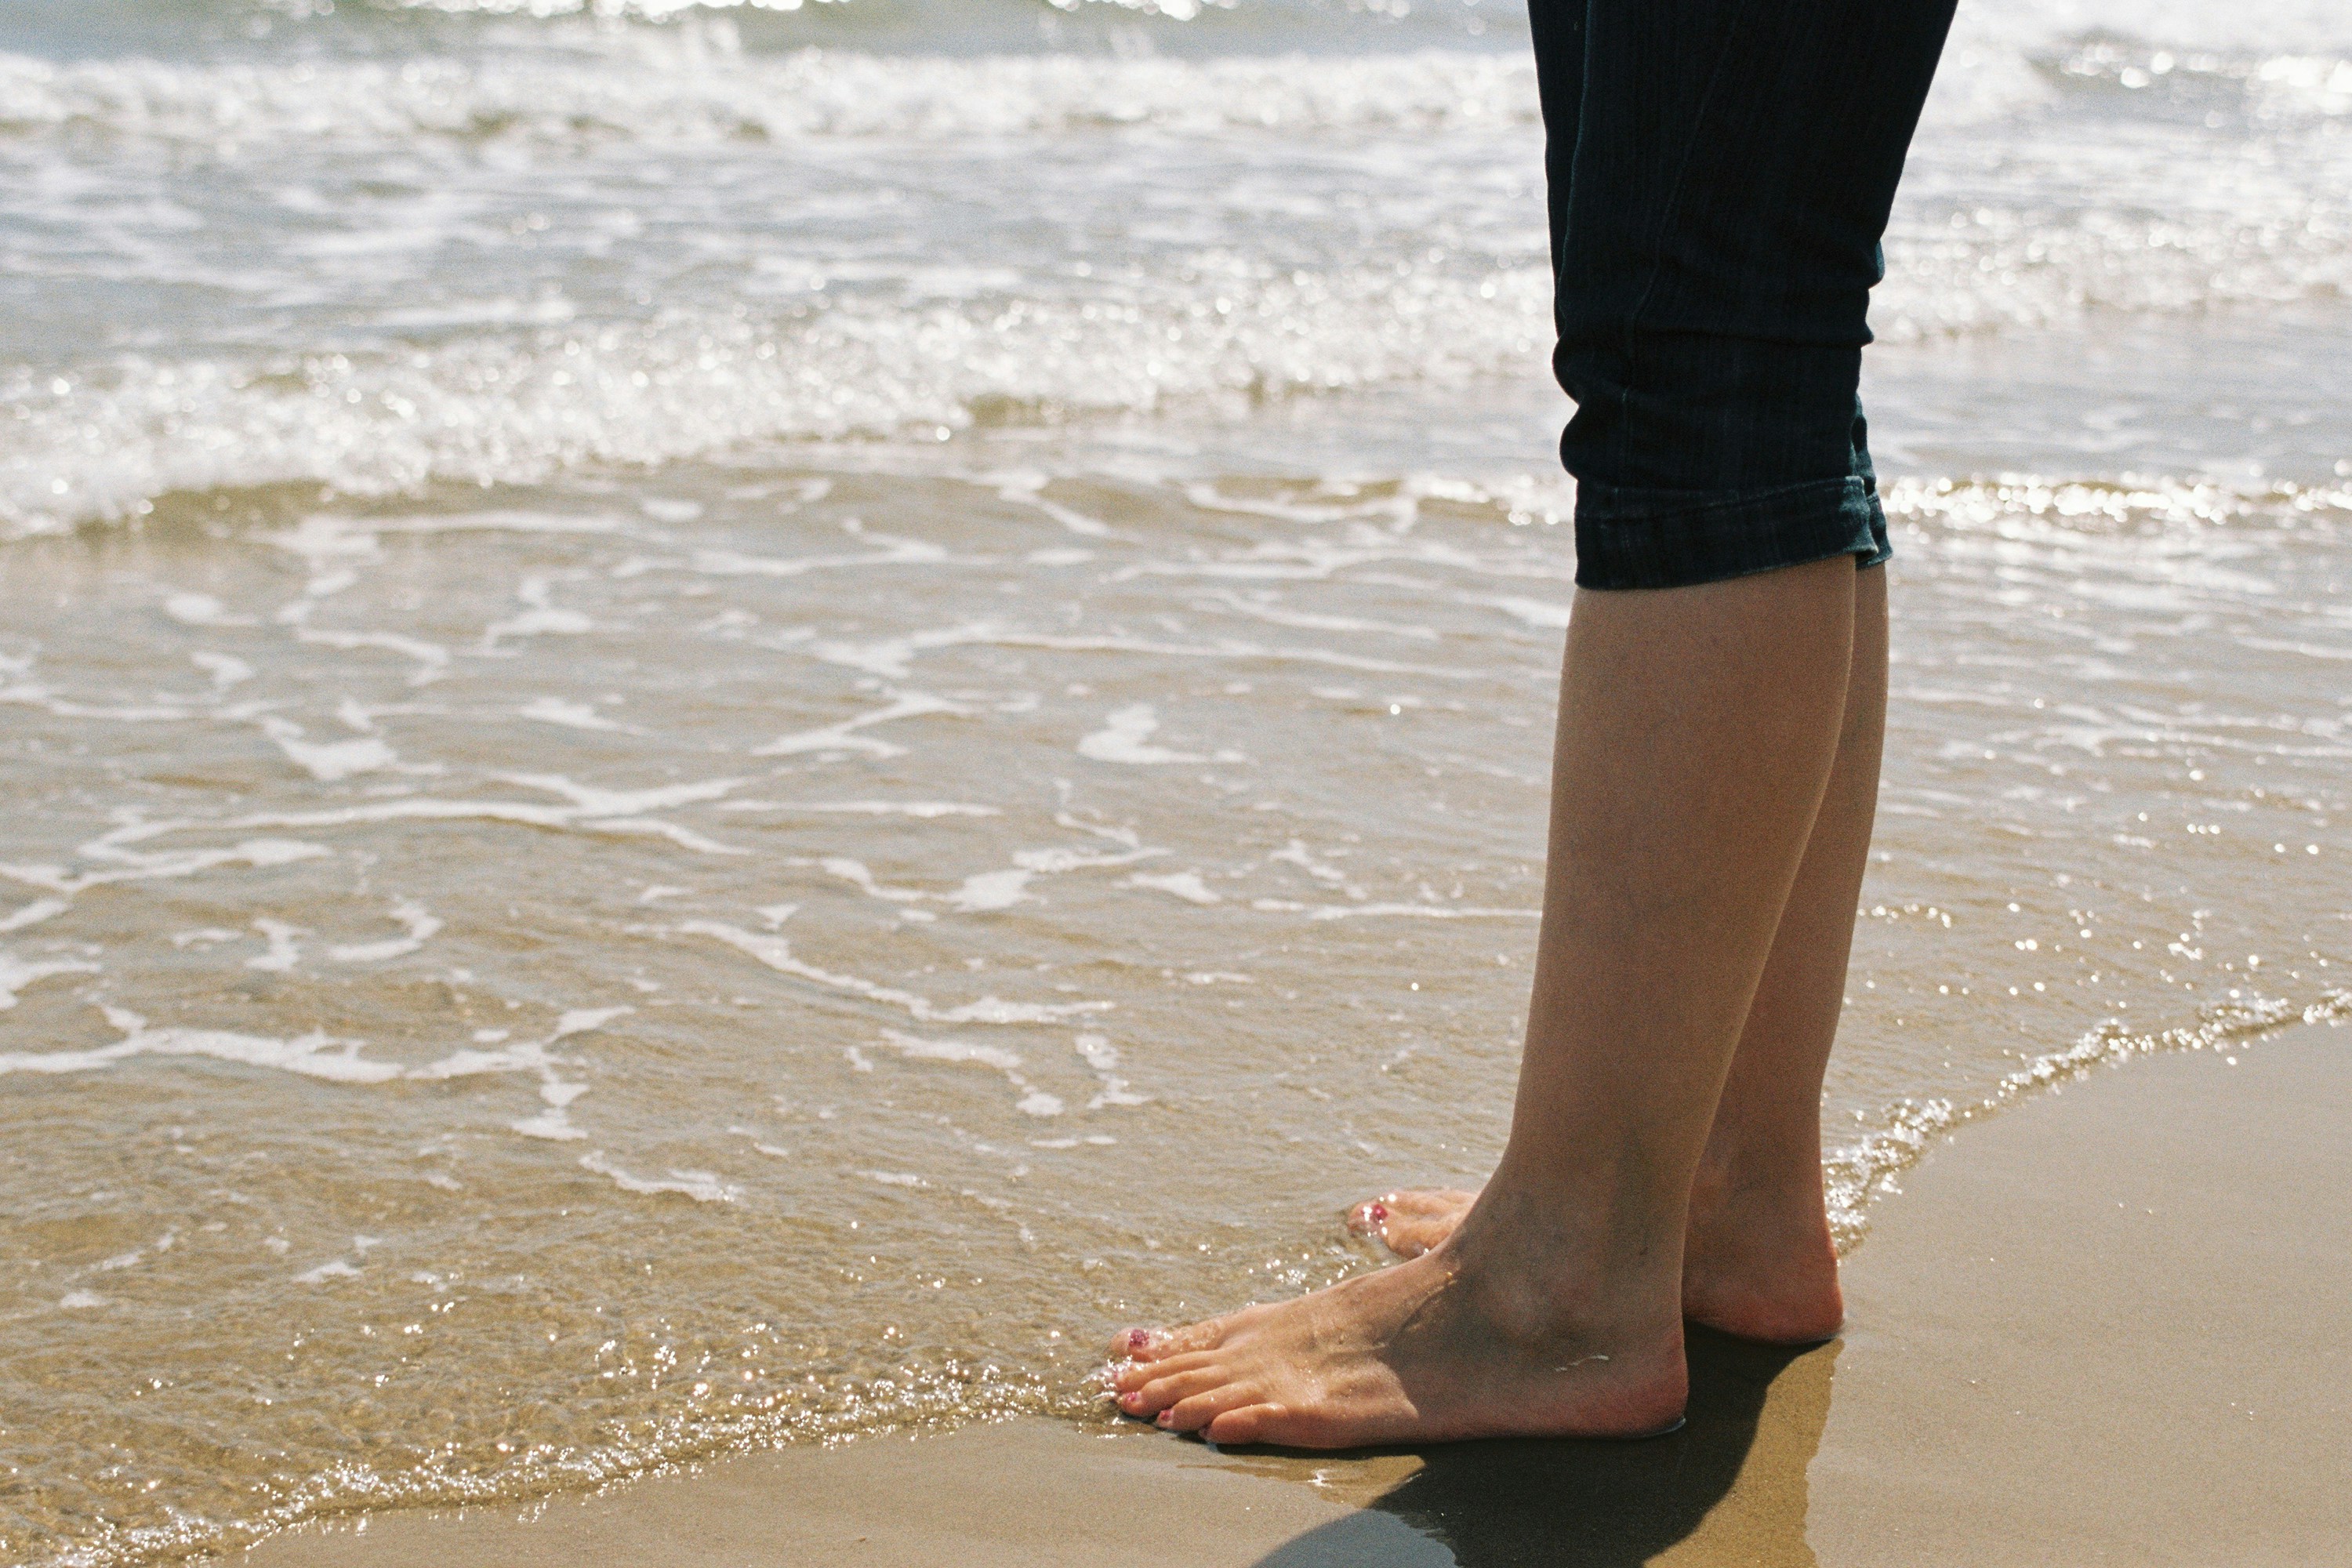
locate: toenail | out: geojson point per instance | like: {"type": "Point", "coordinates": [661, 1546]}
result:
{"type": "Point", "coordinates": [1379, 1213]}
{"type": "Point", "coordinates": [1165, 1419]}
{"type": "Point", "coordinates": [1137, 1339]}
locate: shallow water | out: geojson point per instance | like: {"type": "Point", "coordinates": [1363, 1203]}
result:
{"type": "Point", "coordinates": [709, 743]}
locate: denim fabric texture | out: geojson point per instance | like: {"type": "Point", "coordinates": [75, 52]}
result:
{"type": "Point", "coordinates": [1720, 174]}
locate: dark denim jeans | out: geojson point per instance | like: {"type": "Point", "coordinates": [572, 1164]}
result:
{"type": "Point", "coordinates": [1721, 172]}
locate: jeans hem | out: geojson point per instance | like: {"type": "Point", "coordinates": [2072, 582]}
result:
{"type": "Point", "coordinates": [1654, 539]}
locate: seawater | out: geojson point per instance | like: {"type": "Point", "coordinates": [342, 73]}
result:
{"type": "Point", "coordinates": [722, 724]}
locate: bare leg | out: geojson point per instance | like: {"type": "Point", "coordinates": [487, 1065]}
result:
{"type": "Point", "coordinates": [1698, 730]}
{"type": "Point", "coordinates": [1758, 1260]}
{"type": "Point", "coordinates": [1761, 1262]}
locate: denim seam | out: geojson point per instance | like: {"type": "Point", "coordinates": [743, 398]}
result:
{"type": "Point", "coordinates": [1602, 512]}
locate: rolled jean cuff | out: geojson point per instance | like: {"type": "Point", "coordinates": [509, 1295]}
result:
{"type": "Point", "coordinates": [1677, 539]}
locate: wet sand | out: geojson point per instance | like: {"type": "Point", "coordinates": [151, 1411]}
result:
{"type": "Point", "coordinates": [2105, 1325]}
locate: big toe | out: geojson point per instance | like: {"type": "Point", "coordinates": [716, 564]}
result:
{"type": "Point", "coordinates": [1409, 1222]}
{"type": "Point", "coordinates": [1157, 1344]}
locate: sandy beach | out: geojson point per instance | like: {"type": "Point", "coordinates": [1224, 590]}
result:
{"type": "Point", "coordinates": [2106, 1325]}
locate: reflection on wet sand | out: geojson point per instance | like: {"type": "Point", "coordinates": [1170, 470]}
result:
{"type": "Point", "coordinates": [1727, 1488]}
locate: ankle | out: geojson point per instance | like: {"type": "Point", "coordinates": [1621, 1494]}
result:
{"type": "Point", "coordinates": [1780, 1187]}
{"type": "Point", "coordinates": [1544, 1268]}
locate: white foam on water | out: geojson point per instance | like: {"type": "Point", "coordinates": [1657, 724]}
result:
{"type": "Point", "coordinates": [553, 1123]}
{"type": "Point", "coordinates": [1124, 736]}
{"type": "Point", "coordinates": [1542, 613]}
{"type": "Point", "coordinates": [420, 925]}
{"type": "Point", "coordinates": [283, 952]}
{"type": "Point", "coordinates": [923, 810]}
{"type": "Point", "coordinates": [702, 1187]}
{"type": "Point", "coordinates": [540, 617]}
{"type": "Point", "coordinates": [845, 737]}
{"type": "Point", "coordinates": [1185, 885]}
{"type": "Point", "coordinates": [315, 1055]}
{"type": "Point", "coordinates": [1858, 1172]}
{"type": "Point", "coordinates": [138, 867]}
{"type": "Point", "coordinates": [592, 801]}
{"type": "Point", "coordinates": [570, 715]}
{"type": "Point", "coordinates": [1100, 1054]}
{"type": "Point", "coordinates": [917, 1048]}
{"type": "Point", "coordinates": [521, 408]}
{"type": "Point", "coordinates": [1024, 490]}
{"type": "Point", "coordinates": [432, 659]}
{"type": "Point", "coordinates": [18, 973]}
{"type": "Point", "coordinates": [556, 1093]}
{"type": "Point", "coordinates": [330, 761]}
{"type": "Point", "coordinates": [776, 952]}
{"type": "Point", "coordinates": [1273, 614]}
{"type": "Point", "coordinates": [736, 563]}
{"type": "Point", "coordinates": [227, 669]}
{"type": "Point", "coordinates": [1034, 1101]}
{"type": "Point", "coordinates": [335, 1268]}
{"type": "Point", "coordinates": [34, 914]}
{"type": "Point", "coordinates": [1296, 853]}
{"type": "Point", "coordinates": [892, 658]}
{"type": "Point", "coordinates": [202, 610]}
{"type": "Point", "coordinates": [985, 892]}
{"type": "Point", "coordinates": [592, 810]}
{"type": "Point", "coordinates": [574, 102]}
{"type": "Point", "coordinates": [319, 1056]}
{"type": "Point", "coordinates": [33, 694]}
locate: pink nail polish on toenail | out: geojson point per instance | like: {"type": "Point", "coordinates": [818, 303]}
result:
{"type": "Point", "coordinates": [1379, 1213]}
{"type": "Point", "coordinates": [1137, 1339]}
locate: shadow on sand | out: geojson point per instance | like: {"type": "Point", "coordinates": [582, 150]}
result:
{"type": "Point", "coordinates": [1728, 1489]}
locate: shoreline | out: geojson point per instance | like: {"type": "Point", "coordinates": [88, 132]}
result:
{"type": "Point", "coordinates": [2107, 1324]}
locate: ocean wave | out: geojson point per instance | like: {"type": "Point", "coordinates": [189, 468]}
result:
{"type": "Point", "coordinates": [520, 406]}
{"type": "Point", "coordinates": [663, 92]}
{"type": "Point", "coordinates": [2016, 265]}
{"type": "Point", "coordinates": [699, 86]}
{"type": "Point", "coordinates": [520, 409]}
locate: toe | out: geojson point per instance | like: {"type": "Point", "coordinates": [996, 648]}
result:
{"type": "Point", "coordinates": [1250, 1424]}
{"type": "Point", "coordinates": [1160, 1345]}
{"type": "Point", "coordinates": [1198, 1410]}
{"type": "Point", "coordinates": [1134, 1376]}
{"type": "Point", "coordinates": [1163, 1391]}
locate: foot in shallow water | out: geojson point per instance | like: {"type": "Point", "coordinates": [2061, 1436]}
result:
{"type": "Point", "coordinates": [1758, 1264]}
{"type": "Point", "coordinates": [1462, 1341]}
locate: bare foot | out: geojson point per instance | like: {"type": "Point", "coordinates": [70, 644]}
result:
{"type": "Point", "coordinates": [1437, 1348]}
{"type": "Point", "coordinates": [1755, 1264]}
